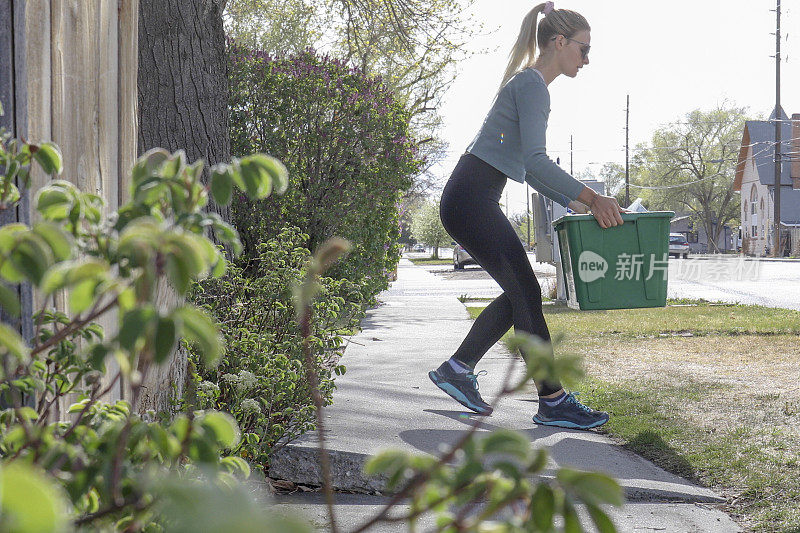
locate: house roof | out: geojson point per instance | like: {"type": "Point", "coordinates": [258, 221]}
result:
{"type": "Point", "coordinates": [760, 135]}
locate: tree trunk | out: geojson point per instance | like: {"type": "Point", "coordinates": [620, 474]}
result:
{"type": "Point", "coordinates": [183, 81]}
{"type": "Point", "coordinates": [183, 104]}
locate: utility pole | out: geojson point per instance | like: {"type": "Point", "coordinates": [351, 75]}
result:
{"type": "Point", "coordinates": [776, 241]}
{"type": "Point", "coordinates": [627, 170]}
{"type": "Point", "coordinates": [570, 155]}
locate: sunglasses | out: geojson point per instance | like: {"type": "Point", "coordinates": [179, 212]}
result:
{"type": "Point", "coordinates": [585, 47]}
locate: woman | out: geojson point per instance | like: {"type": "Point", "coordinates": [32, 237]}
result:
{"type": "Point", "coordinates": [511, 143]}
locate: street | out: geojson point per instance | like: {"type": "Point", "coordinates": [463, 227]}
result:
{"type": "Point", "coordinates": [730, 279]}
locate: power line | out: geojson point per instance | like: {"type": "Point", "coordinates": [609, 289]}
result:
{"type": "Point", "coordinates": [676, 185]}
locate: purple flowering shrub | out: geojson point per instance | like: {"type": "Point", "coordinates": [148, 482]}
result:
{"type": "Point", "coordinates": [345, 141]}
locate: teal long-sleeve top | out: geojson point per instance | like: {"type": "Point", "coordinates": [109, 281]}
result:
{"type": "Point", "coordinates": [512, 138]}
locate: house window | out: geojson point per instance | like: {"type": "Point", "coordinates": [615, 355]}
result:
{"type": "Point", "coordinates": [753, 208]}
{"type": "Point", "coordinates": [755, 231]}
{"type": "Point", "coordinates": [692, 236]}
{"type": "Point", "coordinates": [762, 204]}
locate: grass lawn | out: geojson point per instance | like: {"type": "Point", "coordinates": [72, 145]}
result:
{"type": "Point", "coordinates": [431, 261]}
{"type": "Point", "coordinates": [709, 392]}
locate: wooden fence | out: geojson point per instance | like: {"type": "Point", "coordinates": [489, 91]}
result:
{"type": "Point", "coordinates": [76, 64]}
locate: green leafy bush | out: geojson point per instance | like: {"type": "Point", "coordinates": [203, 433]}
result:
{"type": "Point", "coordinates": [345, 141]}
{"type": "Point", "coordinates": [260, 381]}
{"type": "Point", "coordinates": [101, 465]}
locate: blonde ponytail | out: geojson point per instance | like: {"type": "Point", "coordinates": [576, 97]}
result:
{"type": "Point", "coordinates": [524, 51]}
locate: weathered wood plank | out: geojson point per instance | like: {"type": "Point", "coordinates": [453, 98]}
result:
{"type": "Point", "coordinates": [128, 32]}
{"type": "Point", "coordinates": [107, 102]}
{"type": "Point", "coordinates": [38, 72]}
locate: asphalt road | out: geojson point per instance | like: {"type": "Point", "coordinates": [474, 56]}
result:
{"type": "Point", "coordinates": [730, 279]}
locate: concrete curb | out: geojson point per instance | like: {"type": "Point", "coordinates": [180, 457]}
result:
{"type": "Point", "coordinates": [300, 464]}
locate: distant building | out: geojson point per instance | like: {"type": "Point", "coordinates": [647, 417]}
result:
{"type": "Point", "coordinates": [755, 180]}
{"type": "Point", "coordinates": [697, 237]}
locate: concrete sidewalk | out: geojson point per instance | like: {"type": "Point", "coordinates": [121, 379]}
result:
{"type": "Point", "coordinates": [385, 400]}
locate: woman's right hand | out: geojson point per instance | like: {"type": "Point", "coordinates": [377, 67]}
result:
{"type": "Point", "coordinates": [606, 211]}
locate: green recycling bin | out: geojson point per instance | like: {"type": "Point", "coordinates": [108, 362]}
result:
{"type": "Point", "coordinates": [621, 267]}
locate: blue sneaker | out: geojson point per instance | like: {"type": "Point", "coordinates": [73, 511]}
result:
{"type": "Point", "coordinates": [462, 387]}
{"type": "Point", "coordinates": [570, 413]}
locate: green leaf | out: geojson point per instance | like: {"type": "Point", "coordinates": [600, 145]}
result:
{"type": "Point", "coordinates": [28, 413]}
{"type": "Point", "coordinates": [31, 502]}
{"type": "Point", "coordinates": [71, 273]}
{"type": "Point", "coordinates": [601, 519]}
{"type": "Point", "coordinates": [261, 173]}
{"type": "Point", "coordinates": [32, 257]}
{"type": "Point", "coordinates": [236, 464]}
{"type": "Point", "coordinates": [221, 186]}
{"type": "Point", "coordinates": [12, 195]}
{"type": "Point", "coordinates": [278, 174]}
{"type": "Point", "coordinates": [78, 407]}
{"type": "Point", "coordinates": [386, 462]}
{"type": "Point", "coordinates": [49, 158]}
{"type": "Point", "coordinates": [11, 343]}
{"type": "Point", "coordinates": [257, 183]}
{"type": "Point", "coordinates": [543, 507]}
{"type": "Point", "coordinates": [54, 202]}
{"type": "Point", "coordinates": [199, 328]}
{"type": "Point", "coordinates": [507, 442]}
{"type": "Point", "coordinates": [9, 301]}
{"type": "Point", "coordinates": [173, 165]}
{"type": "Point", "coordinates": [97, 356]}
{"type": "Point", "coordinates": [146, 166]}
{"type": "Point", "coordinates": [134, 326]}
{"type": "Point", "coordinates": [228, 235]}
{"type": "Point", "coordinates": [220, 267]}
{"type": "Point", "coordinates": [60, 242]}
{"type": "Point", "coordinates": [591, 487]}
{"type": "Point", "coordinates": [223, 426]}
{"type": "Point", "coordinates": [178, 273]}
{"type": "Point", "coordinates": [82, 296]}
{"type": "Point", "coordinates": [127, 299]}
{"type": "Point", "coordinates": [572, 523]}
{"type": "Point", "coordinates": [539, 461]}
{"type": "Point", "coordinates": [166, 337]}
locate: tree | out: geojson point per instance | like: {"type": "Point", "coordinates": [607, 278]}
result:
{"type": "Point", "coordinates": [691, 165]}
{"type": "Point", "coordinates": [519, 221]}
{"type": "Point", "coordinates": [413, 45]}
{"type": "Point", "coordinates": [275, 26]}
{"type": "Point", "coordinates": [613, 176]}
{"type": "Point", "coordinates": [183, 105]}
{"type": "Point", "coordinates": [426, 226]}
{"type": "Point", "coordinates": [346, 143]}
{"type": "Point", "coordinates": [183, 84]}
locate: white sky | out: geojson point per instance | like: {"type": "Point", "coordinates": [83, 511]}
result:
{"type": "Point", "coordinates": [671, 57]}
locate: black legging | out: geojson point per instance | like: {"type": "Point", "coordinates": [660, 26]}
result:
{"type": "Point", "coordinates": [471, 214]}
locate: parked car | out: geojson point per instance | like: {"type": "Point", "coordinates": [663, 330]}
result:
{"type": "Point", "coordinates": [461, 257]}
{"type": "Point", "coordinates": [418, 248]}
{"type": "Point", "coordinates": [678, 245]}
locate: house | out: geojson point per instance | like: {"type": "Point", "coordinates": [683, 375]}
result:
{"type": "Point", "coordinates": [755, 180]}
{"type": "Point", "coordinates": [697, 237]}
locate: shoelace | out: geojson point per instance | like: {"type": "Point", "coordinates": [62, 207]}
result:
{"type": "Point", "coordinates": [474, 377]}
{"type": "Point", "coordinates": [571, 398]}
